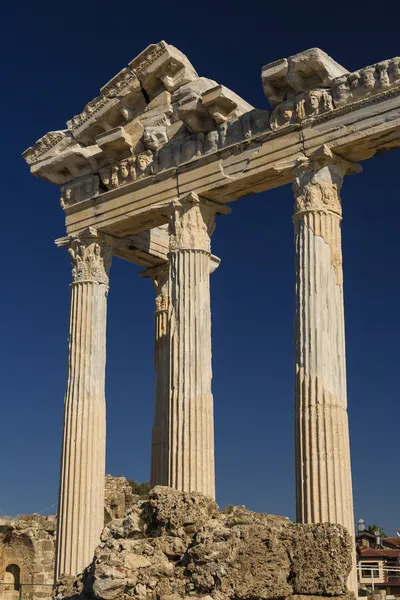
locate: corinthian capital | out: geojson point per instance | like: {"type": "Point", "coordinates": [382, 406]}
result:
{"type": "Point", "coordinates": [160, 278]}
{"type": "Point", "coordinates": [192, 222]}
{"type": "Point", "coordinates": [90, 256]}
{"type": "Point", "coordinates": [317, 182]}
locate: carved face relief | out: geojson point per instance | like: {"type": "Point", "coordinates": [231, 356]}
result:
{"type": "Point", "coordinates": [143, 161]}
{"type": "Point", "coordinates": [287, 114]}
{"type": "Point", "coordinates": [383, 74]}
{"type": "Point", "coordinates": [313, 103]}
{"type": "Point", "coordinates": [124, 170]}
{"type": "Point", "coordinates": [354, 80]}
{"type": "Point", "coordinates": [114, 177]}
{"type": "Point", "coordinates": [368, 79]}
{"type": "Point", "coordinates": [341, 92]}
{"type": "Point", "coordinates": [395, 68]}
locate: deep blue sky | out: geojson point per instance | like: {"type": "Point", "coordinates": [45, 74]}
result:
{"type": "Point", "coordinates": [55, 58]}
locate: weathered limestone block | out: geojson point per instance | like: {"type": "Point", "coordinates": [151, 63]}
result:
{"type": "Point", "coordinates": [322, 556]}
{"type": "Point", "coordinates": [224, 105]}
{"type": "Point", "coordinates": [161, 66]}
{"type": "Point", "coordinates": [76, 161]}
{"type": "Point", "coordinates": [189, 106]}
{"type": "Point", "coordinates": [306, 70]}
{"type": "Point", "coordinates": [180, 512]}
{"type": "Point", "coordinates": [116, 143]}
{"type": "Point", "coordinates": [118, 498]}
{"type": "Point", "coordinates": [53, 141]}
{"type": "Point", "coordinates": [26, 553]}
{"type": "Point", "coordinates": [180, 546]}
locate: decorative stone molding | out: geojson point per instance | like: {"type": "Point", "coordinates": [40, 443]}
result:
{"type": "Point", "coordinates": [43, 145]}
{"type": "Point", "coordinates": [192, 222]}
{"type": "Point", "coordinates": [345, 90]}
{"type": "Point", "coordinates": [306, 70]}
{"type": "Point", "coordinates": [79, 190]}
{"type": "Point", "coordinates": [317, 182]}
{"type": "Point", "coordinates": [90, 255]}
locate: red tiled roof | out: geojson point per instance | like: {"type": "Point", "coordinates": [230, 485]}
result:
{"type": "Point", "coordinates": [395, 541]}
{"type": "Point", "coordinates": [380, 552]}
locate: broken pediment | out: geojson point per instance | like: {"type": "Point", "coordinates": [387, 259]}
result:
{"type": "Point", "coordinates": [157, 115]}
{"type": "Point", "coordinates": [156, 101]}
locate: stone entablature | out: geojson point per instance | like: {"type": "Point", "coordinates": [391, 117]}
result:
{"type": "Point", "coordinates": [157, 114]}
{"type": "Point", "coordinates": [345, 90]}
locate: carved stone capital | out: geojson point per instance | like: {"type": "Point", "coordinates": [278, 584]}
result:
{"type": "Point", "coordinates": [90, 256]}
{"type": "Point", "coordinates": [160, 277]}
{"type": "Point", "coordinates": [317, 181]}
{"type": "Point", "coordinates": [192, 222]}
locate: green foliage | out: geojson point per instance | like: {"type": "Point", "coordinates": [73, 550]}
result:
{"type": "Point", "coordinates": [141, 489]}
{"type": "Point", "coordinates": [373, 528]}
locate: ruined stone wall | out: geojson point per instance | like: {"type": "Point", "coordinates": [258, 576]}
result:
{"type": "Point", "coordinates": [175, 545]}
{"type": "Point", "coordinates": [26, 556]}
{"type": "Point", "coordinates": [118, 497]}
{"type": "Point", "coordinates": [27, 545]}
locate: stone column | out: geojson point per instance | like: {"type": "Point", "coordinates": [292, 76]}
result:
{"type": "Point", "coordinates": [323, 470]}
{"type": "Point", "coordinates": [81, 498]}
{"type": "Point", "coordinates": [159, 444]}
{"type": "Point", "coordinates": [191, 419]}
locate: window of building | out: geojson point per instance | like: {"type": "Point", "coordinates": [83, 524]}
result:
{"type": "Point", "coordinates": [369, 570]}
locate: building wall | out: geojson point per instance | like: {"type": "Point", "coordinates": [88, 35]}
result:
{"type": "Point", "coordinates": [27, 545]}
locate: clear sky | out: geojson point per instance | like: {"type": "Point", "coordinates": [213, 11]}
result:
{"type": "Point", "coordinates": [55, 58]}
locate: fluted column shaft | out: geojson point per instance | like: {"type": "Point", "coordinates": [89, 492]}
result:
{"type": "Point", "coordinates": [159, 445]}
{"type": "Point", "coordinates": [323, 469]}
{"type": "Point", "coordinates": [191, 419]}
{"type": "Point", "coordinates": [81, 497]}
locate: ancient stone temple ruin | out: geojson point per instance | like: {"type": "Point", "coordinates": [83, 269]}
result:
{"type": "Point", "coordinates": [143, 171]}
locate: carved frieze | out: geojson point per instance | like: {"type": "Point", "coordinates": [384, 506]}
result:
{"type": "Point", "coordinates": [155, 137]}
{"type": "Point", "coordinates": [303, 106]}
{"type": "Point", "coordinates": [78, 190]}
{"type": "Point", "coordinates": [344, 90]}
{"type": "Point", "coordinates": [127, 170]}
{"type": "Point", "coordinates": [366, 82]}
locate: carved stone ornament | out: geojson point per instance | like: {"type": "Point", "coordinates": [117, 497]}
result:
{"type": "Point", "coordinates": [161, 302]}
{"type": "Point", "coordinates": [303, 106]}
{"type": "Point", "coordinates": [90, 256]}
{"type": "Point", "coordinates": [343, 90]}
{"type": "Point", "coordinates": [317, 182]}
{"type": "Point", "coordinates": [316, 194]}
{"type": "Point", "coordinates": [192, 222]}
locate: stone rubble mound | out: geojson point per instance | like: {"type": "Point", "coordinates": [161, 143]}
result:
{"type": "Point", "coordinates": [175, 545]}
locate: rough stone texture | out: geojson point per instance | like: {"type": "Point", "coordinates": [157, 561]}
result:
{"type": "Point", "coordinates": [118, 497]}
{"type": "Point", "coordinates": [29, 542]}
{"type": "Point", "coordinates": [27, 555]}
{"type": "Point", "coordinates": [175, 545]}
